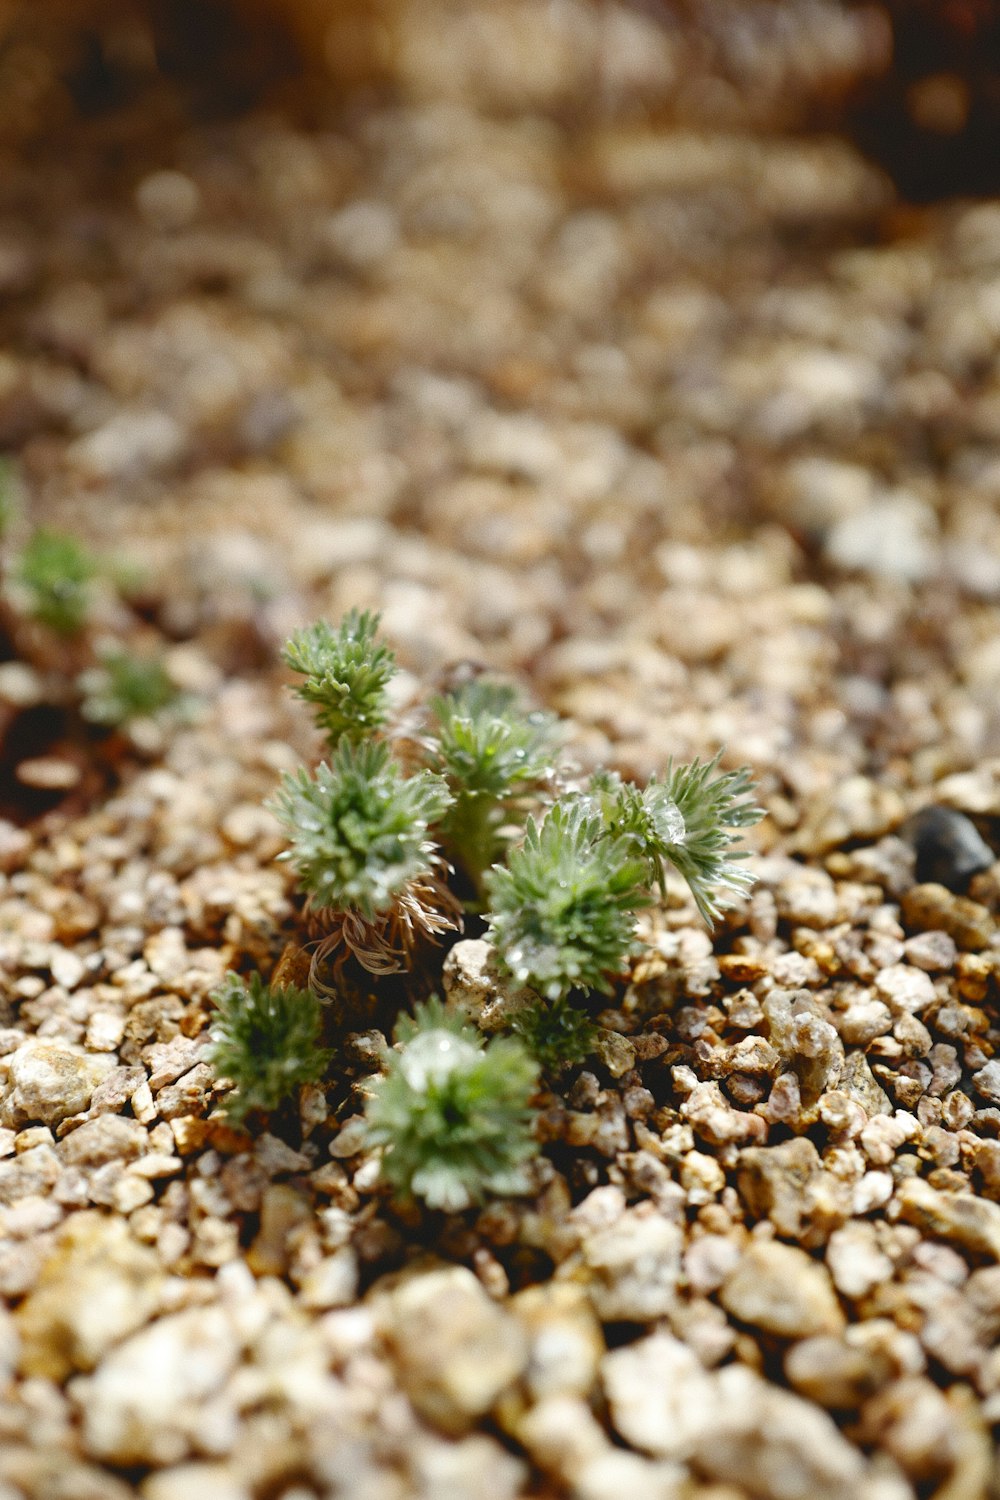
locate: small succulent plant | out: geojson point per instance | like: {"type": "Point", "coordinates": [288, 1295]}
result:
{"type": "Point", "coordinates": [397, 832]}
{"type": "Point", "coordinates": [491, 752]}
{"type": "Point", "coordinates": [360, 848]}
{"type": "Point", "coordinates": [562, 913]}
{"type": "Point", "coordinates": [267, 1040]}
{"type": "Point", "coordinates": [345, 671]}
{"type": "Point", "coordinates": [358, 827]}
{"type": "Point", "coordinates": [684, 821]}
{"type": "Point", "coordinates": [558, 1034]}
{"type": "Point", "coordinates": [451, 1113]}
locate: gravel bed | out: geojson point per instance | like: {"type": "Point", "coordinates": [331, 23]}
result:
{"type": "Point", "coordinates": [692, 427]}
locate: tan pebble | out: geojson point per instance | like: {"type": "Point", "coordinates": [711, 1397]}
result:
{"type": "Point", "coordinates": [933, 950]}
{"type": "Point", "coordinates": [105, 1030]}
{"type": "Point", "coordinates": [933, 907]}
{"type": "Point", "coordinates": [190, 1132]}
{"type": "Point", "coordinates": [872, 1191]}
{"type": "Point", "coordinates": [283, 1209]}
{"type": "Point", "coordinates": [47, 773]}
{"type": "Point", "coordinates": [856, 1262]}
{"type": "Point", "coordinates": [20, 686]}
{"type": "Point", "coordinates": [914, 1422]}
{"type": "Point", "coordinates": [659, 1395]}
{"type": "Point", "coordinates": [742, 969]}
{"type": "Point", "coordinates": [773, 1182]}
{"type": "Point", "coordinates": [333, 1282]}
{"type": "Point", "coordinates": [709, 1260]}
{"type": "Point", "coordinates": [106, 1138]}
{"type": "Point", "coordinates": [834, 1373]}
{"type": "Point", "coordinates": [970, 1221]}
{"type": "Point", "coordinates": [858, 808]}
{"type": "Point", "coordinates": [561, 1434]}
{"type": "Point", "coordinates": [701, 1177]}
{"type": "Point", "coordinates": [142, 1104]}
{"type": "Point", "coordinates": [131, 1192]}
{"type": "Point", "coordinates": [98, 1286]}
{"type": "Point", "coordinates": [66, 967]}
{"type": "Point", "coordinates": [566, 1342]}
{"type": "Point", "coordinates": [167, 199]}
{"type": "Point", "coordinates": [144, 1403]}
{"type": "Point", "coordinates": [49, 1081]}
{"type": "Point", "coordinates": [782, 1290]}
{"type": "Point", "coordinates": [860, 1084]}
{"type": "Point", "coordinates": [168, 1061]}
{"type": "Point", "coordinates": [165, 954]}
{"type": "Point", "coordinates": [456, 1351]}
{"type": "Point", "coordinates": [632, 1268]}
{"type": "Point", "coordinates": [194, 1481]}
{"type": "Point", "coordinates": [716, 1121]}
{"type": "Point", "coordinates": [905, 988]}
{"type": "Point", "coordinates": [759, 1430]}
{"type": "Point", "coordinates": [215, 1242]}
{"type": "Point", "coordinates": [615, 1051]}
{"type": "Point", "coordinates": [156, 1164]}
{"type": "Point", "coordinates": [14, 845]}
{"type": "Point", "coordinates": [249, 824]}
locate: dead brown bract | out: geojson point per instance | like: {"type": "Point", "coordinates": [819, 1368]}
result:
{"type": "Point", "coordinates": [423, 912]}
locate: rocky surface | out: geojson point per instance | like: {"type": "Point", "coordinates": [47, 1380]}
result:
{"type": "Point", "coordinates": [691, 425]}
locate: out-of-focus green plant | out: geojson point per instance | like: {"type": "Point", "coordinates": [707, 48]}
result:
{"type": "Point", "coordinates": [53, 576]}
{"type": "Point", "coordinates": [10, 507]}
{"type": "Point", "coordinates": [125, 686]}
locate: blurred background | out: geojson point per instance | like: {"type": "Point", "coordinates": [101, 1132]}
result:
{"type": "Point", "coordinates": [645, 348]}
{"type": "Point", "coordinates": [915, 81]}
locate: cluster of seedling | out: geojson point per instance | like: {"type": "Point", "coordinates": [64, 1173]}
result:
{"type": "Point", "coordinates": [53, 593]}
{"type": "Point", "coordinates": [455, 814]}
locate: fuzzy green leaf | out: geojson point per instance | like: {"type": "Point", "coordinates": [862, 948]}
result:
{"type": "Point", "coordinates": [710, 806]}
{"type": "Point", "coordinates": [487, 745]}
{"type": "Point", "coordinates": [684, 821]}
{"type": "Point", "coordinates": [452, 1115]}
{"type": "Point", "coordinates": [346, 671]}
{"type": "Point", "coordinates": [562, 911]}
{"type": "Point", "coordinates": [490, 752]}
{"type": "Point", "coordinates": [266, 1040]}
{"type": "Point", "coordinates": [358, 827]}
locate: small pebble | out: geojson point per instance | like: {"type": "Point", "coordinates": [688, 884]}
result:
{"type": "Point", "coordinates": [948, 846]}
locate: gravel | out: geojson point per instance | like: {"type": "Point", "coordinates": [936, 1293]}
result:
{"type": "Point", "coordinates": [687, 423]}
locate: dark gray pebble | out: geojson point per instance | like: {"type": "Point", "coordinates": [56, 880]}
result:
{"type": "Point", "coordinates": [948, 847]}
